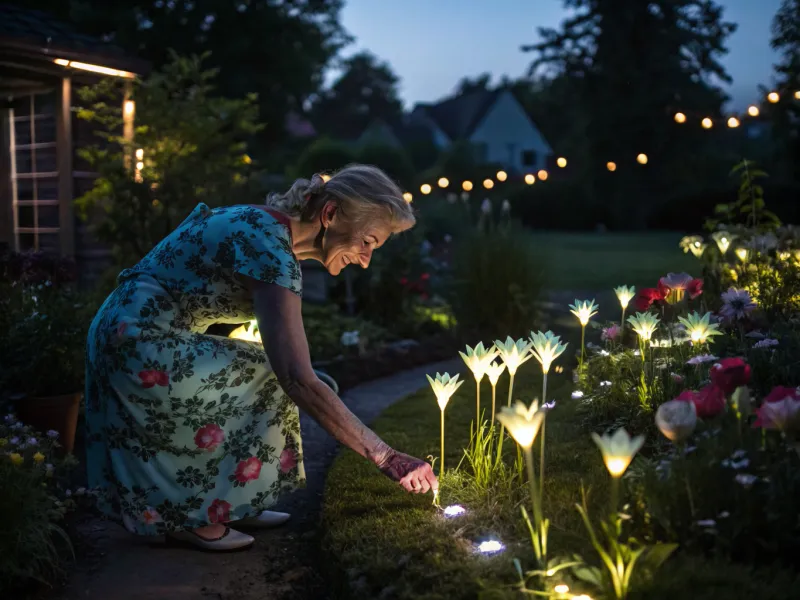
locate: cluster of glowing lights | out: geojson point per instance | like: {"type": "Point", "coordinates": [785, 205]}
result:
{"type": "Point", "coordinates": [734, 122]}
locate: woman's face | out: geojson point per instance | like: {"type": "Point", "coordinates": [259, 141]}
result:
{"type": "Point", "coordinates": [342, 245]}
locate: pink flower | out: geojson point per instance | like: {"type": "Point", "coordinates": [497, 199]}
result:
{"type": "Point", "coordinates": [150, 516]}
{"type": "Point", "coordinates": [677, 378]}
{"type": "Point", "coordinates": [781, 414]}
{"type": "Point", "coordinates": [645, 298]}
{"type": "Point", "coordinates": [709, 402]}
{"type": "Point", "coordinates": [780, 392]}
{"type": "Point", "coordinates": [219, 511]}
{"type": "Point", "coordinates": [209, 437]}
{"type": "Point", "coordinates": [153, 377]}
{"type": "Point", "coordinates": [288, 460]}
{"type": "Point", "coordinates": [675, 285]}
{"type": "Point", "coordinates": [676, 281]}
{"type": "Point", "coordinates": [248, 470]}
{"type": "Point", "coordinates": [729, 374]}
{"type": "Point", "coordinates": [610, 333]}
{"type": "Point", "coordinates": [694, 288]}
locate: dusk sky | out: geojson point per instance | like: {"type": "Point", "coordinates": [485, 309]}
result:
{"type": "Point", "coordinates": [431, 44]}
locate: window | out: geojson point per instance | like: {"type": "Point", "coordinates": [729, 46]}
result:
{"type": "Point", "coordinates": [34, 172]}
{"type": "Point", "coordinates": [529, 158]}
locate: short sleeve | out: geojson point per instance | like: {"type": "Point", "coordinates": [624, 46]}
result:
{"type": "Point", "coordinates": [255, 244]}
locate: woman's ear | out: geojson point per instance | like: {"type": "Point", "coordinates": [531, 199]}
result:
{"type": "Point", "coordinates": [327, 213]}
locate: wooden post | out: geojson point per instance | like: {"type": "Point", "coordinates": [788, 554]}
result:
{"type": "Point", "coordinates": [64, 149]}
{"type": "Point", "coordinates": [128, 116]}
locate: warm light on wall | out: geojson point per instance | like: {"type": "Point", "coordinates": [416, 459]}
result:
{"type": "Point", "coordinates": [443, 182]}
{"type": "Point", "coordinates": [542, 175]}
{"type": "Point", "coordinates": [425, 189]}
{"type": "Point", "coordinates": [611, 166]}
{"type": "Point", "coordinates": [502, 176]}
{"type": "Point", "coordinates": [773, 97]}
{"type": "Point", "coordinates": [129, 108]}
{"type": "Point", "coordinates": [63, 62]}
{"type": "Point", "coordinates": [680, 117]}
{"type": "Point", "coordinates": [530, 179]}
{"type": "Point", "coordinates": [753, 111]}
{"type": "Point", "coordinates": [408, 197]}
{"type": "Point", "coordinates": [642, 159]}
{"type": "Point", "coordinates": [488, 184]}
{"type": "Point", "coordinates": [561, 162]}
{"type": "Point", "coordinates": [733, 122]}
{"type": "Point", "coordinates": [466, 186]}
{"type": "Point", "coordinates": [707, 123]}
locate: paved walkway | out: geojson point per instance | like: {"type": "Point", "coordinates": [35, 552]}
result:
{"type": "Point", "coordinates": [282, 564]}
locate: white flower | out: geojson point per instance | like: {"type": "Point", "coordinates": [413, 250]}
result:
{"type": "Point", "coordinates": [14, 441]}
{"type": "Point", "coordinates": [618, 450]}
{"type": "Point", "coordinates": [765, 343]}
{"type": "Point", "coordinates": [703, 358]}
{"type": "Point", "coordinates": [745, 479]}
{"type": "Point", "coordinates": [605, 384]}
{"type": "Point", "coordinates": [444, 387]}
{"type": "Point", "coordinates": [577, 395]}
{"type": "Point", "coordinates": [522, 422]}
{"type": "Point", "coordinates": [737, 304]}
{"type": "Point", "coordinates": [514, 353]}
{"type": "Point", "coordinates": [546, 348]}
{"type": "Point", "coordinates": [349, 338]}
{"type": "Point", "coordinates": [676, 420]}
{"type": "Point", "coordinates": [494, 371]}
{"type": "Point", "coordinates": [478, 359]}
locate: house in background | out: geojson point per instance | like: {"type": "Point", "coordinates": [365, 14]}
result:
{"type": "Point", "coordinates": [494, 122]}
{"type": "Point", "coordinates": [42, 61]}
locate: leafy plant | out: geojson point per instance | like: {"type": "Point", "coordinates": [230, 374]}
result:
{"type": "Point", "coordinates": [749, 205]}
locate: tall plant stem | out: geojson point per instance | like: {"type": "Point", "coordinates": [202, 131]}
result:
{"type": "Point", "coordinates": [494, 397]}
{"type": "Point", "coordinates": [502, 427]}
{"type": "Point", "coordinates": [583, 348]}
{"type": "Point", "coordinates": [477, 401]}
{"type": "Point", "coordinates": [537, 507]}
{"type": "Point", "coordinates": [441, 465]}
{"type": "Point", "coordinates": [541, 442]}
{"type": "Point", "coordinates": [614, 496]}
{"type": "Point", "coordinates": [622, 323]}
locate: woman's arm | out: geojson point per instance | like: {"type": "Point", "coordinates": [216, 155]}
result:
{"type": "Point", "coordinates": [280, 322]}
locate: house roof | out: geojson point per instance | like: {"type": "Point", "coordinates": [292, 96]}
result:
{"type": "Point", "coordinates": [458, 117]}
{"type": "Point", "coordinates": [42, 34]}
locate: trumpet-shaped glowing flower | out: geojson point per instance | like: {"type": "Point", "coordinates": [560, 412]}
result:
{"type": "Point", "coordinates": [625, 294]}
{"type": "Point", "coordinates": [618, 450]}
{"type": "Point", "coordinates": [522, 422]}
{"type": "Point", "coordinates": [494, 370]}
{"type": "Point", "coordinates": [693, 244]}
{"type": "Point", "coordinates": [478, 359]}
{"type": "Point", "coordinates": [584, 310]}
{"type": "Point", "coordinates": [644, 324]}
{"type": "Point", "coordinates": [699, 328]}
{"type": "Point", "coordinates": [514, 353]}
{"type": "Point", "coordinates": [444, 387]}
{"type": "Point", "coordinates": [674, 285]}
{"type": "Point", "coordinates": [723, 240]}
{"type": "Point", "coordinates": [546, 348]}
{"type": "Point", "coordinates": [676, 420]}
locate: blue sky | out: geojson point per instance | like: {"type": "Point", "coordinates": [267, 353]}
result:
{"type": "Point", "coordinates": [431, 44]}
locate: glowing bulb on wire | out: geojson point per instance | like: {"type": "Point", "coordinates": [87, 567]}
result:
{"type": "Point", "coordinates": [733, 122]}
{"type": "Point", "coordinates": [753, 111]}
{"type": "Point", "coordinates": [530, 179]}
{"type": "Point", "coordinates": [443, 182]}
{"type": "Point", "coordinates": [542, 175]}
{"type": "Point", "coordinates": [502, 176]}
{"type": "Point", "coordinates": [774, 97]}
{"type": "Point", "coordinates": [561, 162]}
{"type": "Point", "coordinates": [488, 184]}
{"type": "Point", "coordinates": [408, 197]}
{"type": "Point", "coordinates": [425, 188]}
{"type": "Point", "coordinates": [611, 166]}
{"type": "Point", "coordinates": [680, 117]}
{"type": "Point", "coordinates": [466, 186]}
{"type": "Point", "coordinates": [642, 159]}
{"type": "Point", "coordinates": [707, 123]}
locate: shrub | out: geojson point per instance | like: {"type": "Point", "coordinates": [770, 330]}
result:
{"type": "Point", "coordinates": [394, 161]}
{"type": "Point", "coordinates": [321, 156]}
{"type": "Point", "coordinates": [497, 279]}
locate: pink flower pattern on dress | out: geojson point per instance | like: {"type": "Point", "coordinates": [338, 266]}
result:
{"type": "Point", "coordinates": [209, 437]}
{"type": "Point", "coordinates": [288, 460]}
{"type": "Point", "coordinates": [219, 511]}
{"type": "Point", "coordinates": [248, 470]}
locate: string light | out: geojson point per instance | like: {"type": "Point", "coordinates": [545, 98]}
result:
{"type": "Point", "coordinates": [753, 111]}
{"type": "Point", "coordinates": [466, 186]}
{"type": "Point", "coordinates": [443, 182]}
{"type": "Point", "coordinates": [707, 123]}
{"type": "Point", "coordinates": [542, 175]}
{"type": "Point", "coordinates": [408, 197]}
{"type": "Point", "coordinates": [733, 122]}
{"type": "Point", "coordinates": [797, 95]}
{"type": "Point", "coordinates": [561, 162]}
{"type": "Point", "coordinates": [530, 179]}
{"type": "Point", "coordinates": [680, 117]}
{"type": "Point", "coordinates": [611, 166]}
{"type": "Point", "coordinates": [642, 159]}
{"type": "Point", "coordinates": [488, 184]}
{"type": "Point", "coordinates": [502, 176]}
{"type": "Point", "coordinates": [425, 189]}
{"type": "Point", "coordinates": [774, 97]}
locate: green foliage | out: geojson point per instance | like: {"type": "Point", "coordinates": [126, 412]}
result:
{"type": "Point", "coordinates": [749, 205]}
{"type": "Point", "coordinates": [322, 156]}
{"type": "Point", "coordinates": [184, 128]}
{"type": "Point", "coordinates": [324, 326]}
{"type": "Point", "coordinates": [497, 279]}
{"type": "Point", "coordinates": [394, 161]}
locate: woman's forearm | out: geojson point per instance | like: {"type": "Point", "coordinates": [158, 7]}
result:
{"type": "Point", "coordinates": [327, 409]}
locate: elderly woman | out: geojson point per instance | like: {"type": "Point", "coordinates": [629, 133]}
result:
{"type": "Point", "coordinates": [188, 431]}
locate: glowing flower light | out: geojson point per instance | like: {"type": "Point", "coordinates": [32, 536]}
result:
{"type": "Point", "coordinates": [618, 450]}
{"type": "Point", "coordinates": [624, 294]}
{"type": "Point", "coordinates": [546, 348]}
{"type": "Point", "coordinates": [644, 324]}
{"type": "Point", "coordinates": [699, 328]}
{"type": "Point", "coordinates": [444, 387]}
{"type": "Point", "coordinates": [514, 353]}
{"type": "Point", "coordinates": [675, 285]}
{"type": "Point", "coordinates": [723, 240]}
{"type": "Point", "coordinates": [676, 420]}
{"type": "Point", "coordinates": [693, 244]}
{"type": "Point", "coordinates": [584, 310]}
{"type": "Point", "coordinates": [478, 360]}
{"type": "Point", "coordinates": [494, 371]}
{"type": "Point", "coordinates": [522, 422]}
{"type": "Point", "coordinates": [742, 254]}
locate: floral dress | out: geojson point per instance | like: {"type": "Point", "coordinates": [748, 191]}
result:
{"type": "Point", "coordinates": [185, 428]}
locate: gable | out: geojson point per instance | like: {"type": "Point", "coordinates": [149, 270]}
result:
{"type": "Point", "coordinates": [507, 122]}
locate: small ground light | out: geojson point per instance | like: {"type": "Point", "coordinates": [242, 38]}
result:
{"type": "Point", "coordinates": [490, 547]}
{"type": "Point", "coordinates": [561, 162]}
{"type": "Point", "coordinates": [425, 188]}
{"type": "Point", "coordinates": [773, 97]}
{"type": "Point", "coordinates": [488, 184]}
{"type": "Point", "coordinates": [456, 510]}
{"type": "Point", "coordinates": [611, 166]}
{"type": "Point", "coordinates": [466, 186]}
{"type": "Point", "coordinates": [577, 395]}
{"type": "Point", "coordinates": [733, 122]}
{"type": "Point", "coordinates": [408, 197]}
{"type": "Point", "coordinates": [680, 117]}
{"type": "Point", "coordinates": [530, 179]}
{"type": "Point", "coordinates": [753, 111]}
{"type": "Point", "coordinates": [502, 176]}
{"type": "Point", "coordinates": [561, 588]}
{"type": "Point", "coordinates": [443, 182]}
{"type": "Point", "coordinates": [707, 123]}
{"type": "Point", "coordinates": [642, 159]}
{"type": "Point", "coordinates": [542, 175]}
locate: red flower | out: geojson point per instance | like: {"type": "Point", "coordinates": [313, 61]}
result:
{"type": "Point", "coordinates": [152, 377]}
{"type": "Point", "coordinates": [248, 470]}
{"type": "Point", "coordinates": [209, 437]}
{"type": "Point", "coordinates": [780, 392]}
{"type": "Point", "coordinates": [288, 460]}
{"type": "Point", "coordinates": [729, 374]}
{"type": "Point", "coordinates": [404, 281]}
{"type": "Point", "coordinates": [694, 288]}
{"type": "Point", "coordinates": [709, 402]}
{"type": "Point", "coordinates": [219, 511]}
{"type": "Point", "coordinates": [646, 297]}
{"type": "Point", "coordinates": [425, 276]}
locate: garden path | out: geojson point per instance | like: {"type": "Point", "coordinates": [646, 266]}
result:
{"type": "Point", "coordinates": [283, 563]}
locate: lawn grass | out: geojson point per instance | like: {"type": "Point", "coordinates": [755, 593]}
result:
{"type": "Point", "coordinates": [598, 261]}
{"type": "Point", "coordinates": [383, 543]}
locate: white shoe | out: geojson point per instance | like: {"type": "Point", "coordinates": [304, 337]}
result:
{"type": "Point", "coordinates": [230, 540]}
{"type": "Point", "coordinates": [265, 520]}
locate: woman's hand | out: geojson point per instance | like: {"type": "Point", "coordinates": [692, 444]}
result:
{"type": "Point", "coordinates": [413, 474]}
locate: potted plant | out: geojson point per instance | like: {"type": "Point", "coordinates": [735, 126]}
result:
{"type": "Point", "coordinates": [43, 327]}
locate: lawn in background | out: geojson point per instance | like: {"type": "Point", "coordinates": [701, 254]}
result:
{"type": "Point", "coordinates": [600, 261]}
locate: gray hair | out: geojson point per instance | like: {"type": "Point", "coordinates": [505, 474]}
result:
{"type": "Point", "coordinates": [364, 194]}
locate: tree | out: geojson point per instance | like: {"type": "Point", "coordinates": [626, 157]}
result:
{"type": "Point", "coordinates": [278, 50]}
{"type": "Point", "coordinates": [467, 84]}
{"type": "Point", "coordinates": [786, 40]}
{"type": "Point", "coordinates": [365, 92]}
{"type": "Point", "coordinates": [192, 150]}
{"type": "Point", "coordinates": [630, 64]}
{"type": "Point", "coordinates": [322, 156]}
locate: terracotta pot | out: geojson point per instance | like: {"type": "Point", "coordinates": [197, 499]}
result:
{"type": "Point", "coordinates": [53, 412]}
